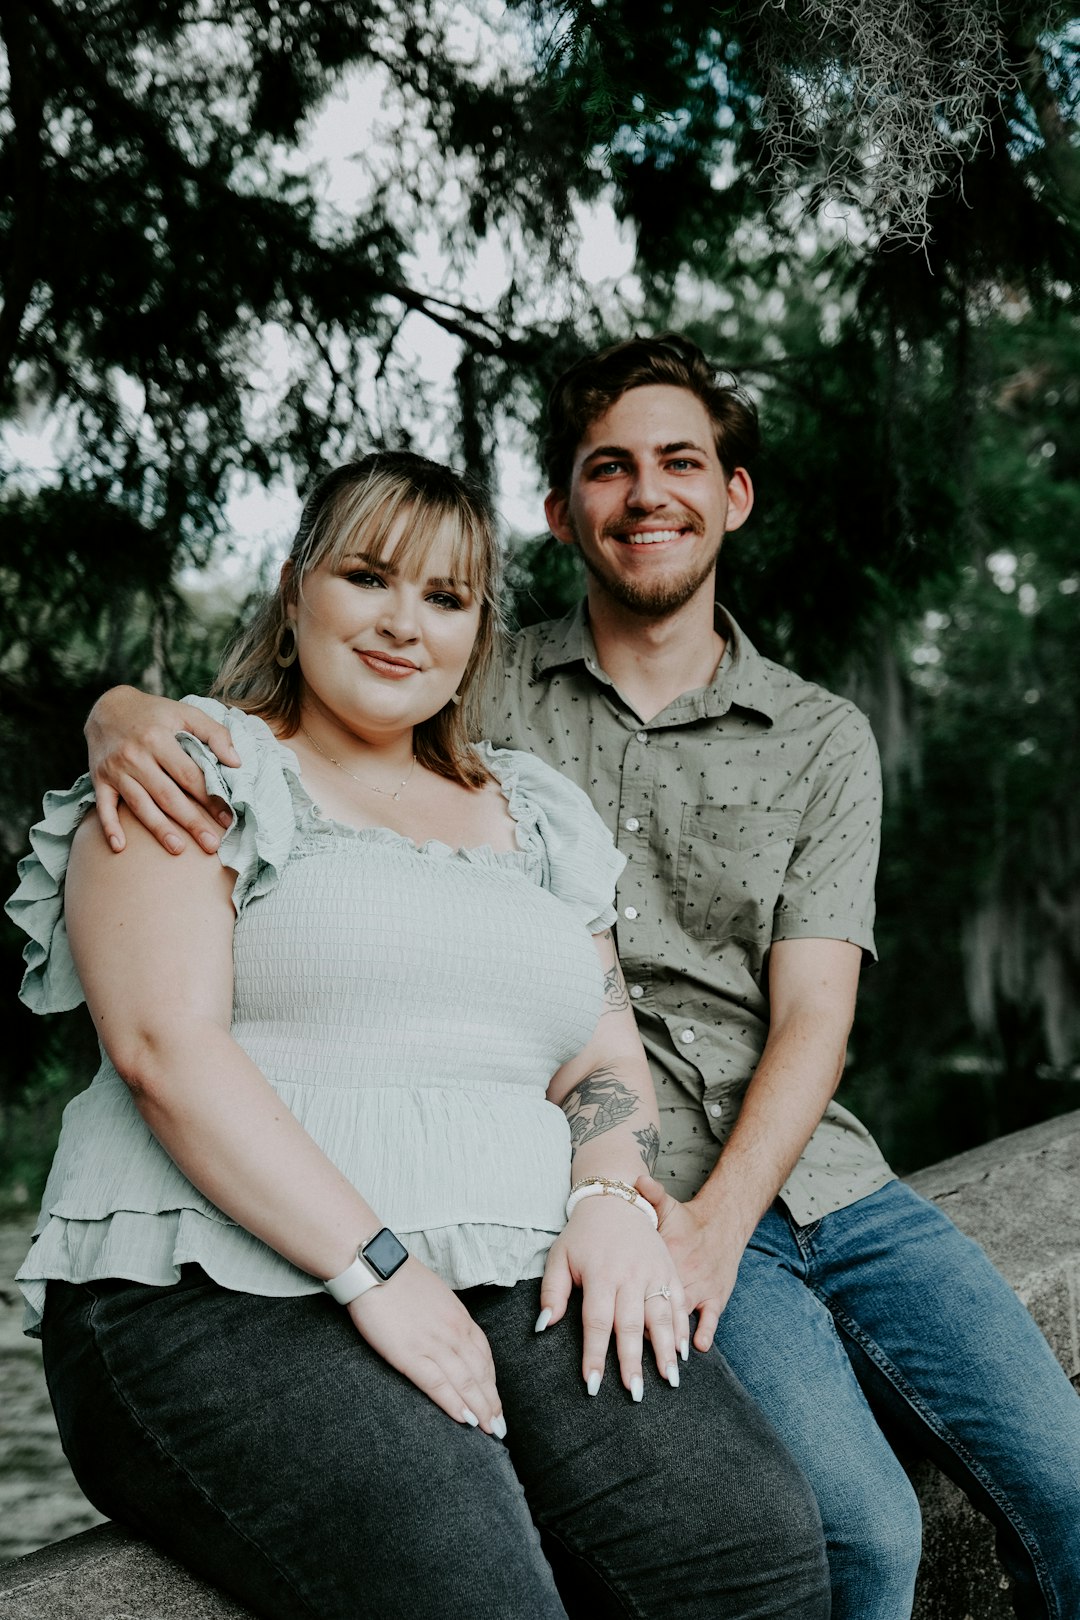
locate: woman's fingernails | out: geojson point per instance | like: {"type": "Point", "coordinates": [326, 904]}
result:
{"type": "Point", "coordinates": [116, 843]}
{"type": "Point", "coordinates": [637, 1388]}
{"type": "Point", "coordinates": [672, 1375]}
{"type": "Point", "coordinates": [543, 1319]}
{"type": "Point", "coordinates": [684, 1349]}
{"type": "Point", "coordinates": [498, 1427]}
{"type": "Point", "coordinates": [209, 841]}
{"type": "Point", "coordinates": [592, 1383]}
{"type": "Point", "coordinates": [225, 817]}
{"type": "Point", "coordinates": [470, 1417]}
{"type": "Point", "coordinates": [173, 844]}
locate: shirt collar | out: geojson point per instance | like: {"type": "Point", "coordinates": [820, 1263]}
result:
{"type": "Point", "coordinates": [743, 679]}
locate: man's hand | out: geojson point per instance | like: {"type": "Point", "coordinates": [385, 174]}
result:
{"type": "Point", "coordinates": [707, 1261]}
{"type": "Point", "coordinates": [134, 756]}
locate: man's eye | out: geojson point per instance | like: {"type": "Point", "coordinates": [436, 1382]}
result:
{"type": "Point", "coordinates": [605, 469]}
{"type": "Point", "coordinates": [682, 464]}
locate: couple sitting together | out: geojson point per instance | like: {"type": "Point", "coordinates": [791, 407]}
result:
{"type": "Point", "coordinates": [410, 1256]}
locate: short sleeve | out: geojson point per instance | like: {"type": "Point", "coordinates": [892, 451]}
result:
{"type": "Point", "coordinates": [256, 847]}
{"type": "Point", "coordinates": [828, 890]}
{"type": "Point", "coordinates": [553, 815]}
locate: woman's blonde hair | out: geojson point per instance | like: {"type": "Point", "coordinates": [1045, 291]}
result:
{"type": "Point", "coordinates": [354, 510]}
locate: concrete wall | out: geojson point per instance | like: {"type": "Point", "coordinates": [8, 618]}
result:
{"type": "Point", "coordinates": [1018, 1197]}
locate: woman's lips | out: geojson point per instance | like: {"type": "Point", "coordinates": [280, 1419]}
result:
{"type": "Point", "coordinates": [394, 668]}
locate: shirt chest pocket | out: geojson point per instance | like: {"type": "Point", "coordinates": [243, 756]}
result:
{"type": "Point", "coordinates": [732, 861]}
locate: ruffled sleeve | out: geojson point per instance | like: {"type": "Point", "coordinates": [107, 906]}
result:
{"type": "Point", "coordinates": [256, 847]}
{"type": "Point", "coordinates": [554, 817]}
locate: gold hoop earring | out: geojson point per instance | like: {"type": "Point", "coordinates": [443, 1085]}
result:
{"type": "Point", "coordinates": [286, 654]}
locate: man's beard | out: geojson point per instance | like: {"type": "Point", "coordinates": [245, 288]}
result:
{"type": "Point", "coordinates": [652, 599]}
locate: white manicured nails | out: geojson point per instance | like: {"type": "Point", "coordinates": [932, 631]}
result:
{"type": "Point", "coordinates": [637, 1388]}
{"type": "Point", "coordinates": [498, 1427]}
{"type": "Point", "coordinates": [684, 1349]}
{"type": "Point", "coordinates": [672, 1375]}
{"type": "Point", "coordinates": [470, 1417]}
{"type": "Point", "coordinates": [592, 1383]}
{"type": "Point", "coordinates": [542, 1320]}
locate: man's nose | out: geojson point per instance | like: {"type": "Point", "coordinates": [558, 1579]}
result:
{"type": "Point", "coordinates": [646, 490]}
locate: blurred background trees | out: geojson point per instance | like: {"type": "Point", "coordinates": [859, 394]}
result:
{"type": "Point", "coordinates": [870, 212]}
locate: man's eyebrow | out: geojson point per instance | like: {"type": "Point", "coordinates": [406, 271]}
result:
{"type": "Point", "coordinates": [619, 452]}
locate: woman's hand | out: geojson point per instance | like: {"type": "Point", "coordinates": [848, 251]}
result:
{"type": "Point", "coordinates": [610, 1250]}
{"type": "Point", "coordinates": [419, 1326]}
{"type": "Point", "coordinates": [134, 756]}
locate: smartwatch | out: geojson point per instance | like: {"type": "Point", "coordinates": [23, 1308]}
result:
{"type": "Point", "coordinates": [375, 1263]}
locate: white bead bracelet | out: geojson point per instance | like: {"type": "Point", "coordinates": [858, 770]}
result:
{"type": "Point", "coordinates": [600, 1186]}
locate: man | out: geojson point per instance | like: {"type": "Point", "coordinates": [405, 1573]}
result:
{"type": "Point", "coordinates": [747, 803]}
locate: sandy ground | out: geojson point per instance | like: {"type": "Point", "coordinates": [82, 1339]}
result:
{"type": "Point", "coordinates": [39, 1500]}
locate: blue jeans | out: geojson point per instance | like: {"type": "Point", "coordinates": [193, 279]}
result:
{"type": "Point", "coordinates": [266, 1445]}
{"type": "Point", "coordinates": [885, 1313]}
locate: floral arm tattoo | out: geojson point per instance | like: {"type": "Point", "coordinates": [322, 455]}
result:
{"type": "Point", "coordinates": [648, 1140]}
{"type": "Point", "coordinates": [597, 1104]}
{"type": "Point", "coordinates": [615, 996]}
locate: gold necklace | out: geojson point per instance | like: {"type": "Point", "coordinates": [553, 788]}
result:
{"type": "Point", "coordinates": [387, 793]}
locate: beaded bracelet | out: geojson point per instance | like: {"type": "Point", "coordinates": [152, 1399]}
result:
{"type": "Point", "coordinates": [599, 1186]}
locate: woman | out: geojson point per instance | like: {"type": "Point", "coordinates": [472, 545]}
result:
{"type": "Point", "coordinates": [301, 1228]}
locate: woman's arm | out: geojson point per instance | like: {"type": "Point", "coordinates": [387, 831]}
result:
{"type": "Point", "coordinates": [609, 1246]}
{"type": "Point", "coordinates": [152, 941]}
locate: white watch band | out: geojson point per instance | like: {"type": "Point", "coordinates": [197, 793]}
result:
{"type": "Point", "coordinates": [352, 1282]}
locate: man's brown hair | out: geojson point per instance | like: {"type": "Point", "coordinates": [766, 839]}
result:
{"type": "Point", "coordinates": [592, 385]}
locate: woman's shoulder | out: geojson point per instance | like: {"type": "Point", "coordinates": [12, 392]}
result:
{"type": "Point", "coordinates": [580, 858]}
{"type": "Point", "coordinates": [261, 792]}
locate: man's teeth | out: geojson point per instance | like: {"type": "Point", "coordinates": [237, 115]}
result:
{"type": "Point", "coordinates": [653, 537]}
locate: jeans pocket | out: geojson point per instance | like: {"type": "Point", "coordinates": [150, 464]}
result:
{"type": "Point", "coordinates": [732, 861]}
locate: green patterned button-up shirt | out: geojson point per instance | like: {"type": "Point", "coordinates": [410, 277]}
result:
{"type": "Point", "coordinates": [748, 811]}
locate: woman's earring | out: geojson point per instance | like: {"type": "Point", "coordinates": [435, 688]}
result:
{"type": "Point", "coordinates": [287, 648]}
{"type": "Point", "coordinates": [456, 699]}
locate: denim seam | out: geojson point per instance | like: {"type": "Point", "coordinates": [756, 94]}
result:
{"type": "Point", "coordinates": [946, 1436]}
{"type": "Point", "coordinates": [174, 1462]}
{"type": "Point", "coordinates": [638, 1614]}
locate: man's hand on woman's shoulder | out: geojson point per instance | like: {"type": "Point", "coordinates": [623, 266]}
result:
{"type": "Point", "coordinates": [134, 756]}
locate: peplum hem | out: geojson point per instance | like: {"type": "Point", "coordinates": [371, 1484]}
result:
{"type": "Point", "coordinates": [151, 1249]}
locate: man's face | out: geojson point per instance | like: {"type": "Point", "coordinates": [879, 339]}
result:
{"type": "Point", "coordinates": [649, 503]}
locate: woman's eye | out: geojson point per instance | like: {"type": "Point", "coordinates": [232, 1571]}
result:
{"type": "Point", "coordinates": [445, 599]}
{"type": "Point", "coordinates": [361, 577]}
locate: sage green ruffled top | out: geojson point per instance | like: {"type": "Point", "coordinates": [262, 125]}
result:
{"type": "Point", "coordinates": [409, 1004]}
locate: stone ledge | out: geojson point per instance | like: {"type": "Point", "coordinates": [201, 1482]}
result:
{"type": "Point", "coordinates": [1016, 1196]}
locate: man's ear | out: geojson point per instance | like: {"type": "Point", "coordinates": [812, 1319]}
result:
{"type": "Point", "coordinates": [557, 512]}
{"type": "Point", "coordinates": [740, 499]}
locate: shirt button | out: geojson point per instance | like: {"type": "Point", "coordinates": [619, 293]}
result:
{"type": "Point", "coordinates": [715, 1110]}
{"type": "Point", "coordinates": [686, 1036]}
{"type": "Point", "coordinates": [641, 736]}
{"type": "Point", "coordinates": [636, 992]}
{"type": "Point", "coordinates": [631, 912]}
{"type": "Point", "coordinates": [631, 823]}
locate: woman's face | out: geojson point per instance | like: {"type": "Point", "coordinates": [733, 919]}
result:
{"type": "Point", "coordinates": [381, 648]}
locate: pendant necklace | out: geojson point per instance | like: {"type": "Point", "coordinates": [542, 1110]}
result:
{"type": "Point", "coordinates": [387, 793]}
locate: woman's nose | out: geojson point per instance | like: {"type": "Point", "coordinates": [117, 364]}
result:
{"type": "Point", "coordinates": [397, 620]}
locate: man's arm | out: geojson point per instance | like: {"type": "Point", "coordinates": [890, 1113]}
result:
{"type": "Point", "coordinates": [134, 756]}
{"type": "Point", "coordinates": [812, 987]}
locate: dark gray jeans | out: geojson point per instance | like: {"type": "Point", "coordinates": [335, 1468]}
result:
{"type": "Point", "coordinates": [265, 1445]}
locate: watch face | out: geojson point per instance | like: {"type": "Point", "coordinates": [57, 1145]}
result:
{"type": "Point", "coordinates": [385, 1253]}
